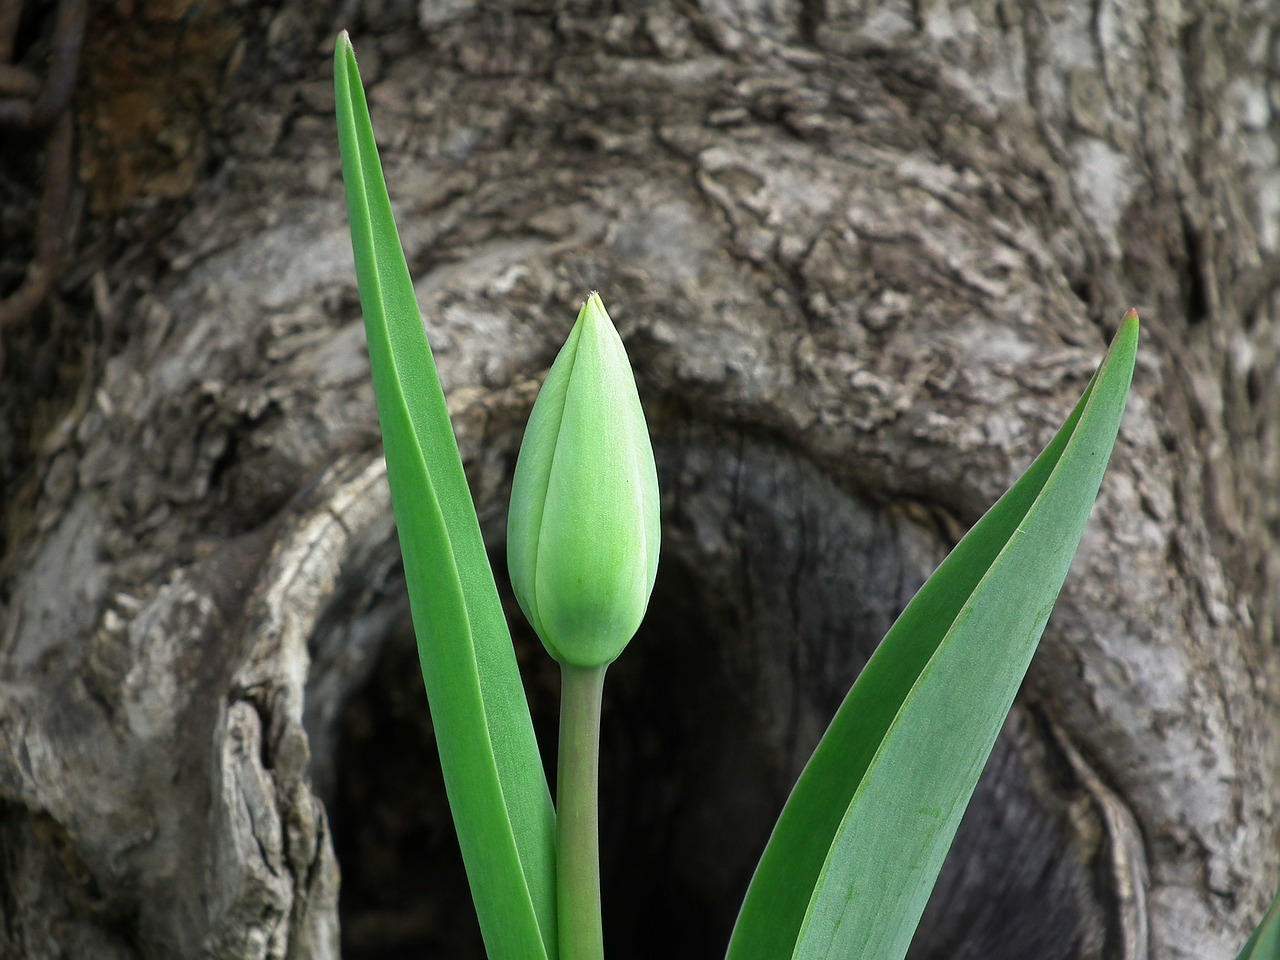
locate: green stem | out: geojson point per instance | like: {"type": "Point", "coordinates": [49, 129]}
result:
{"type": "Point", "coordinates": [577, 820]}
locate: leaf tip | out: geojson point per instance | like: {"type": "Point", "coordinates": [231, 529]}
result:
{"type": "Point", "coordinates": [1126, 338]}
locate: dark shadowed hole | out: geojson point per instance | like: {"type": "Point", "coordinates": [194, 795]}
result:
{"type": "Point", "coordinates": [774, 587]}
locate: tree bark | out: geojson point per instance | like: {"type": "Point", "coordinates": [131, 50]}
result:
{"type": "Point", "coordinates": [864, 257]}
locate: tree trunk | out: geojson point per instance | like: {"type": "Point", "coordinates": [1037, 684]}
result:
{"type": "Point", "coordinates": [864, 257]}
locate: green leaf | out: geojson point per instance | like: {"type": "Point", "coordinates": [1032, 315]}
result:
{"type": "Point", "coordinates": [859, 845]}
{"type": "Point", "coordinates": [493, 773]}
{"type": "Point", "coordinates": [1265, 942]}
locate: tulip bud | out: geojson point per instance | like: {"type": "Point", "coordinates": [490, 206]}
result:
{"type": "Point", "coordinates": [583, 530]}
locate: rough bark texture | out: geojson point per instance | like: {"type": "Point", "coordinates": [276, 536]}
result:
{"type": "Point", "coordinates": [864, 256]}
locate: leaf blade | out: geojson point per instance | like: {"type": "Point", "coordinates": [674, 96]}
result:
{"type": "Point", "coordinates": [497, 788]}
{"type": "Point", "coordinates": [798, 903]}
{"type": "Point", "coordinates": [1264, 944]}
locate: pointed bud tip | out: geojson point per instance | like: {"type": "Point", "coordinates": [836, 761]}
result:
{"type": "Point", "coordinates": [593, 309]}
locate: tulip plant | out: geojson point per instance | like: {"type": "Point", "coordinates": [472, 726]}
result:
{"type": "Point", "coordinates": [862, 837]}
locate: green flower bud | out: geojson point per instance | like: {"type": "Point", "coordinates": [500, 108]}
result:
{"type": "Point", "coordinates": [583, 530]}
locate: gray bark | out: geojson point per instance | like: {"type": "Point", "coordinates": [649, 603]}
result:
{"type": "Point", "coordinates": [864, 257]}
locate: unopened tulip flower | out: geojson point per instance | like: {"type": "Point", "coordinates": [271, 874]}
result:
{"type": "Point", "coordinates": [583, 530]}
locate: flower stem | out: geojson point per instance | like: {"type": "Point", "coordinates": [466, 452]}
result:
{"type": "Point", "coordinates": [577, 820]}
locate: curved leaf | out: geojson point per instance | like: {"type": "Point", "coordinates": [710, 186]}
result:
{"type": "Point", "coordinates": [1265, 942]}
{"type": "Point", "coordinates": [493, 773]}
{"type": "Point", "coordinates": [861, 840]}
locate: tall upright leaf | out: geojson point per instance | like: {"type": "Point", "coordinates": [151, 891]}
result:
{"type": "Point", "coordinates": [493, 773]}
{"type": "Point", "coordinates": [862, 838]}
